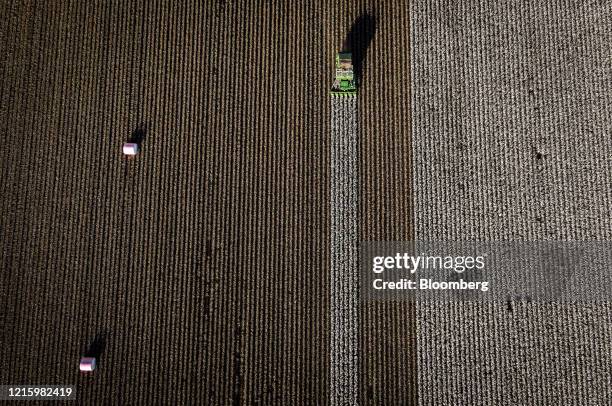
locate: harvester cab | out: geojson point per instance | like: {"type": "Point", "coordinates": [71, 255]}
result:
{"type": "Point", "coordinates": [345, 83]}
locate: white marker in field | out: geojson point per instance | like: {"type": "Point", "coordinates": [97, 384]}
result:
{"type": "Point", "coordinates": [130, 148]}
{"type": "Point", "coordinates": [87, 364]}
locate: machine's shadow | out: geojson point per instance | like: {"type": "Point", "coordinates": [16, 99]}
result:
{"type": "Point", "coordinates": [358, 40]}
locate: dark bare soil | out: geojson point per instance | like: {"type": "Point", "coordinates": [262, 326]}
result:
{"type": "Point", "coordinates": [198, 271]}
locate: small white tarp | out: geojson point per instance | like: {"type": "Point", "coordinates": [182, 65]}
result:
{"type": "Point", "coordinates": [130, 148]}
{"type": "Point", "coordinates": [87, 364]}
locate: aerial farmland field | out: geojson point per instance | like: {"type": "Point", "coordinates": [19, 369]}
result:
{"type": "Point", "coordinates": [202, 262]}
{"type": "Point", "coordinates": [183, 201]}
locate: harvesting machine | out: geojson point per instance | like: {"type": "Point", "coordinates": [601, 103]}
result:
{"type": "Point", "coordinates": [345, 83]}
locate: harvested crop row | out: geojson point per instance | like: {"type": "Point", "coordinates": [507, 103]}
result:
{"type": "Point", "coordinates": [344, 292]}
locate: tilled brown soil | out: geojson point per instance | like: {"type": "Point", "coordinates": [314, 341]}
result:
{"type": "Point", "coordinates": [204, 261]}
